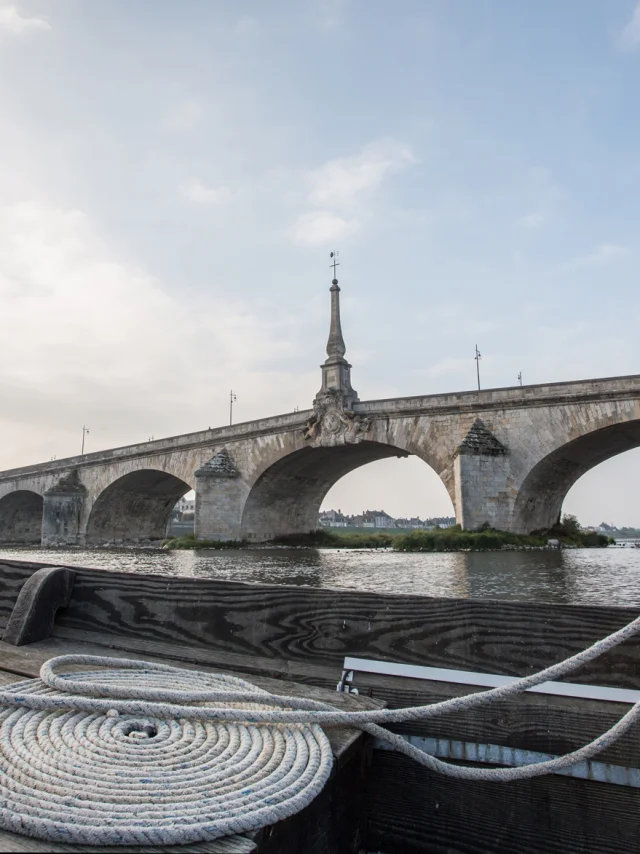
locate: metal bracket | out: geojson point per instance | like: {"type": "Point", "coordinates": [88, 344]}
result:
{"type": "Point", "coordinates": [345, 684]}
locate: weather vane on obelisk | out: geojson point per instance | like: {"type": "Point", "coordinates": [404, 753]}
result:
{"type": "Point", "coordinates": [335, 263]}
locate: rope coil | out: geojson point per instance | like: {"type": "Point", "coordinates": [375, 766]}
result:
{"type": "Point", "coordinates": [131, 756]}
{"type": "Point", "coordinates": [107, 778]}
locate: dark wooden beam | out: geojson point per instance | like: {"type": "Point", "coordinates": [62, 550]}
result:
{"type": "Point", "coordinates": [37, 604]}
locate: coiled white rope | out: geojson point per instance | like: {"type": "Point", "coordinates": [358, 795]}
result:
{"type": "Point", "coordinates": [106, 778]}
{"type": "Point", "coordinates": [130, 756]}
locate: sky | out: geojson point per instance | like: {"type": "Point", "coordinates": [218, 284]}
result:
{"type": "Point", "coordinates": [173, 176]}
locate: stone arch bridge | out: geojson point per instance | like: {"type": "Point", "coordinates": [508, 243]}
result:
{"type": "Point", "coordinates": [507, 457]}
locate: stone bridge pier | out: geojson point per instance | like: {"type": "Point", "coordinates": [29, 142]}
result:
{"type": "Point", "coordinates": [507, 458]}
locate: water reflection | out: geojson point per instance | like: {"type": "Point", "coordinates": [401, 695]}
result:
{"type": "Point", "coordinates": [597, 576]}
{"type": "Point", "coordinates": [517, 575]}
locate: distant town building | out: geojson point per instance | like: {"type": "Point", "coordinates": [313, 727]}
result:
{"type": "Point", "coordinates": [374, 519]}
{"type": "Point", "coordinates": [185, 507]}
{"type": "Point", "coordinates": [441, 522]}
{"type": "Point", "coordinates": [332, 519]}
{"type": "Point", "coordinates": [412, 523]}
{"type": "Point", "coordinates": [380, 519]}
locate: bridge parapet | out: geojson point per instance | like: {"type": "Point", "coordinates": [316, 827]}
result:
{"type": "Point", "coordinates": [627, 387]}
{"type": "Point", "coordinates": [214, 437]}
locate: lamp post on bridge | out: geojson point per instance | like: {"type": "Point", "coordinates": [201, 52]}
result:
{"type": "Point", "coordinates": [477, 357]}
{"type": "Point", "coordinates": [85, 430]}
{"type": "Point", "coordinates": [232, 399]}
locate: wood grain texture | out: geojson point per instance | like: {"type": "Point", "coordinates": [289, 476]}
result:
{"type": "Point", "coordinates": [42, 594]}
{"type": "Point", "coordinates": [333, 823]}
{"type": "Point", "coordinates": [13, 575]}
{"type": "Point", "coordinates": [411, 811]}
{"type": "Point", "coordinates": [301, 624]}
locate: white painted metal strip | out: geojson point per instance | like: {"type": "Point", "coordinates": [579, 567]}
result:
{"type": "Point", "coordinates": [490, 680]}
{"type": "Point", "coordinates": [497, 754]}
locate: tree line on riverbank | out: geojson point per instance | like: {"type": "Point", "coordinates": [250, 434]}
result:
{"type": "Point", "coordinates": [566, 532]}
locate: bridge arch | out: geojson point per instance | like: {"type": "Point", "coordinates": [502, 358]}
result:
{"type": "Point", "coordinates": [136, 506]}
{"type": "Point", "coordinates": [539, 501]}
{"type": "Point", "coordinates": [286, 497]}
{"type": "Point", "coordinates": [21, 517]}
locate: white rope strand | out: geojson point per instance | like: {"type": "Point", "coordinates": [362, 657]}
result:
{"type": "Point", "coordinates": [129, 755]}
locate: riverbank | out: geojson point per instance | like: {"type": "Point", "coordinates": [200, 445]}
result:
{"type": "Point", "coordinates": [563, 535]}
{"type": "Point", "coordinates": [455, 539]}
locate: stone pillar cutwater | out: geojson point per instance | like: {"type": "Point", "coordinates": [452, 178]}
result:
{"type": "Point", "coordinates": [62, 512]}
{"type": "Point", "coordinates": [481, 472]}
{"type": "Point", "coordinates": [220, 498]}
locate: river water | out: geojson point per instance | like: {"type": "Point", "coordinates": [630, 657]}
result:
{"type": "Point", "coordinates": [609, 576]}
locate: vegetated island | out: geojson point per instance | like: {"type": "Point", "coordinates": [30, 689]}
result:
{"type": "Point", "coordinates": [566, 533]}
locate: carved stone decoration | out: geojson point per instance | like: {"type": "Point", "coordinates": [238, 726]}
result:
{"type": "Point", "coordinates": [481, 442]}
{"type": "Point", "coordinates": [220, 465]}
{"type": "Point", "coordinates": [334, 423]}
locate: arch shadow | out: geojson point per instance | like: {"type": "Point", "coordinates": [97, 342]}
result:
{"type": "Point", "coordinates": [286, 497]}
{"type": "Point", "coordinates": [135, 507]}
{"type": "Point", "coordinates": [21, 517]}
{"type": "Point", "coordinates": [542, 493]}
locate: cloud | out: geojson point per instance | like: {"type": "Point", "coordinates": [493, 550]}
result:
{"type": "Point", "coordinates": [533, 220]}
{"type": "Point", "coordinates": [630, 36]}
{"type": "Point", "coordinates": [318, 228]}
{"type": "Point", "coordinates": [91, 338]}
{"type": "Point", "coordinates": [183, 117]}
{"type": "Point", "coordinates": [246, 25]}
{"type": "Point", "coordinates": [344, 181]}
{"type": "Point", "coordinates": [198, 193]}
{"type": "Point", "coordinates": [342, 191]}
{"type": "Point", "coordinates": [605, 253]}
{"type": "Point", "coordinates": [11, 21]}
{"type": "Point", "coordinates": [328, 14]}
{"type": "Point", "coordinates": [63, 295]}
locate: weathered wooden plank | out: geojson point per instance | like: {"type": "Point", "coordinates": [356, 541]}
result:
{"type": "Point", "coordinates": [411, 811]}
{"type": "Point", "coordinates": [41, 595]}
{"type": "Point", "coordinates": [301, 671]}
{"type": "Point", "coordinates": [13, 575]}
{"type": "Point", "coordinates": [317, 625]}
{"type": "Point", "coordinates": [334, 821]}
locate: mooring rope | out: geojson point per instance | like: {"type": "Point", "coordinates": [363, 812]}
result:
{"type": "Point", "coordinates": [148, 754]}
{"type": "Point", "coordinates": [107, 777]}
